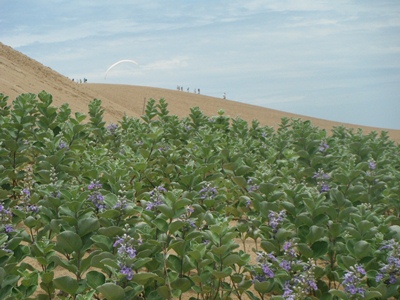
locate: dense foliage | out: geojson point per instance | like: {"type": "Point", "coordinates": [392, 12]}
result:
{"type": "Point", "coordinates": [200, 207]}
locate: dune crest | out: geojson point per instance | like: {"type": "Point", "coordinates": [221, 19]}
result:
{"type": "Point", "coordinates": [21, 74]}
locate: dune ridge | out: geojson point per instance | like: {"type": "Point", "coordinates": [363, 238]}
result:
{"type": "Point", "coordinates": [22, 74]}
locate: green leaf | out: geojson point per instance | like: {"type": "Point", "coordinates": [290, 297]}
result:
{"type": "Point", "coordinates": [220, 274]}
{"type": "Point", "coordinates": [320, 248]}
{"type": "Point", "coordinates": [68, 242]}
{"type": "Point", "coordinates": [175, 225]}
{"type": "Point", "coordinates": [231, 259]}
{"type": "Point", "coordinates": [263, 287]}
{"type": "Point", "coordinates": [46, 277]}
{"type": "Point", "coordinates": [305, 250]}
{"type": "Point", "coordinates": [2, 275]}
{"type": "Point", "coordinates": [88, 225]}
{"type": "Point", "coordinates": [164, 292]}
{"type": "Point", "coordinates": [66, 284]}
{"type": "Point", "coordinates": [372, 295]}
{"type": "Point", "coordinates": [362, 249]}
{"type": "Point", "coordinates": [315, 234]}
{"type": "Point", "coordinates": [240, 181]}
{"type": "Point", "coordinates": [348, 261]}
{"type": "Point", "coordinates": [111, 291]}
{"type": "Point", "coordinates": [183, 284]}
{"type": "Point", "coordinates": [339, 294]}
{"type": "Point", "coordinates": [95, 279]}
{"type": "Point", "coordinates": [166, 210]}
{"type": "Point", "coordinates": [143, 278]}
{"type": "Point", "coordinates": [335, 229]}
{"type": "Point", "coordinates": [161, 224]}
{"type": "Point", "coordinates": [111, 231]}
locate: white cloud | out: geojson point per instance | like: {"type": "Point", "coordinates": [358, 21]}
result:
{"type": "Point", "coordinates": [167, 64]}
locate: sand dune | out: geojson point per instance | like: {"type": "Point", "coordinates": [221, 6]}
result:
{"type": "Point", "coordinates": [21, 74]}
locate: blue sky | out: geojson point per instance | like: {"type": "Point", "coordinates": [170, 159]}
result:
{"type": "Point", "coordinates": [337, 60]}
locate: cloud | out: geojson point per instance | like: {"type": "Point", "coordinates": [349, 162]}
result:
{"type": "Point", "coordinates": [167, 64]}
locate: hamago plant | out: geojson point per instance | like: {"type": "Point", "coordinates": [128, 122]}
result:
{"type": "Point", "coordinates": [193, 208]}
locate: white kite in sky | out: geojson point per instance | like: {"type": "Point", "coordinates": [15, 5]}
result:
{"type": "Point", "coordinates": [119, 62]}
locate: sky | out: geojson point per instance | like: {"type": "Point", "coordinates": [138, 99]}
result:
{"type": "Point", "coordinates": [336, 60]}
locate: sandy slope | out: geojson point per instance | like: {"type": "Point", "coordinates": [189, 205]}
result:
{"type": "Point", "coordinates": [21, 74]}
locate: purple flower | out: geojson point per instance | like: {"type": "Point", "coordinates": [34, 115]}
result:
{"type": "Point", "coordinates": [324, 187]}
{"type": "Point", "coordinates": [286, 265]}
{"type": "Point", "coordinates": [121, 203]}
{"type": "Point", "coordinates": [128, 272]}
{"type": "Point", "coordinates": [360, 269]}
{"type": "Point", "coordinates": [62, 145]}
{"type": "Point", "coordinates": [98, 200]}
{"type": "Point", "coordinates": [321, 175]}
{"type": "Point", "coordinates": [5, 214]}
{"type": "Point", "coordinates": [8, 228]}
{"type": "Point", "coordinates": [118, 241]}
{"type": "Point", "coordinates": [94, 185]}
{"type": "Point", "coordinates": [372, 164]}
{"type": "Point", "coordinates": [275, 219]}
{"type": "Point", "coordinates": [259, 278]}
{"type": "Point", "coordinates": [192, 224]}
{"type": "Point", "coordinates": [392, 279]}
{"type": "Point", "coordinates": [379, 277]}
{"type": "Point", "coordinates": [271, 257]}
{"type": "Point", "coordinates": [112, 128]}
{"type": "Point", "coordinates": [189, 209]}
{"type": "Point", "coordinates": [156, 198]}
{"type": "Point", "coordinates": [323, 146]}
{"type": "Point", "coordinates": [26, 192]}
{"type": "Point", "coordinates": [390, 271]}
{"type": "Point", "coordinates": [126, 249]}
{"type": "Point", "coordinates": [352, 280]}
{"type": "Point", "coordinates": [288, 292]}
{"type": "Point", "coordinates": [252, 187]}
{"type": "Point", "coordinates": [32, 208]}
{"type": "Point", "coordinates": [301, 284]}
{"type": "Point", "coordinates": [208, 192]}
{"type": "Point", "coordinates": [161, 189]}
{"type": "Point", "coordinates": [268, 271]}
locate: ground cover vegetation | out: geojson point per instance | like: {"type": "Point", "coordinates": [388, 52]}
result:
{"type": "Point", "coordinates": [193, 208]}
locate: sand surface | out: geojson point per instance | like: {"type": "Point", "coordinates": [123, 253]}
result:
{"type": "Point", "coordinates": [21, 74]}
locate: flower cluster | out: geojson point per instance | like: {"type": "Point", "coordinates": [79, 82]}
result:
{"type": "Point", "coordinates": [252, 187]}
{"type": "Point", "coordinates": [62, 145]}
{"type": "Point", "coordinates": [208, 191]}
{"type": "Point", "coordinates": [372, 164]}
{"type": "Point", "coordinates": [266, 267]}
{"type": "Point", "coordinates": [26, 199]}
{"type": "Point", "coordinates": [321, 177]}
{"type": "Point", "coordinates": [323, 146]}
{"type": "Point", "coordinates": [126, 253]}
{"type": "Point", "coordinates": [156, 198]}
{"type": "Point", "coordinates": [112, 128]}
{"type": "Point", "coordinates": [54, 184]}
{"type": "Point", "coordinates": [302, 284]}
{"type": "Point", "coordinates": [5, 218]}
{"type": "Point", "coordinates": [352, 281]}
{"type": "Point", "coordinates": [95, 197]}
{"type": "Point", "coordinates": [390, 272]}
{"type": "Point", "coordinates": [26, 203]}
{"type": "Point", "coordinates": [122, 201]}
{"type": "Point", "coordinates": [275, 219]}
{"type": "Point", "coordinates": [190, 222]}
{"type": "Point", "coordinates": [290, 259]}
